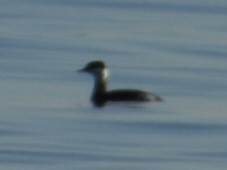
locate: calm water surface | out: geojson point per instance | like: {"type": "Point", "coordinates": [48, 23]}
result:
{"type": "Point", "coordinates": [177, 49]}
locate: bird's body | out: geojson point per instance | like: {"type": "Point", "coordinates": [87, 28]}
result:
{"type": "Point", "coordinates": [100, 95]}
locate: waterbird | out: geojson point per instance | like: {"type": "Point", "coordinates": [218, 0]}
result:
{"type": "Point", "coordinates": [100, 95]}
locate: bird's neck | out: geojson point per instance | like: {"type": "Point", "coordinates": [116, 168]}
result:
{"type": "Point", "coordinates": [100, 83]}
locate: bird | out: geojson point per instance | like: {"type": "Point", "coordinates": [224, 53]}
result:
{"type": "Point", "coordinates": [100, 95]}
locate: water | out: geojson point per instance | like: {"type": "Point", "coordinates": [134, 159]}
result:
{"type": "Point", "coordinates": [176, 49]}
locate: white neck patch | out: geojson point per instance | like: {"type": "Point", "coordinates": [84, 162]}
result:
{"type": "Point", "coordinates": [105, 73]}
{"type": "Point", "coordinates": [100, 73]}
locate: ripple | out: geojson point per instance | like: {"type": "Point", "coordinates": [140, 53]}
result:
{"type": "Point", "coordinates": [206, 155]}
{"type": "Point", "coordinates": [151, 6]}
{"type": "Point", "coordinates": [49, 157]}
{"type": "Point", "coordinates": [175, 126]}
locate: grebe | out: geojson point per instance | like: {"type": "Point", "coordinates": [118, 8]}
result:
{"type": "Point", "coordinates": [100, 96]}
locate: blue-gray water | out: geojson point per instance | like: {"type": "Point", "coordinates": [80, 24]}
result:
{"type": "Point", "coordinates": [177, 49]}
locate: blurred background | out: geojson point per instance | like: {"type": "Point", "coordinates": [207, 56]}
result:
{"type": "Point", "coordinates": [174, 48]}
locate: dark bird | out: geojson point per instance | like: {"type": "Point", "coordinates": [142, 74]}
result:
{"type": "Point", "coordinates": [100, 95]}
